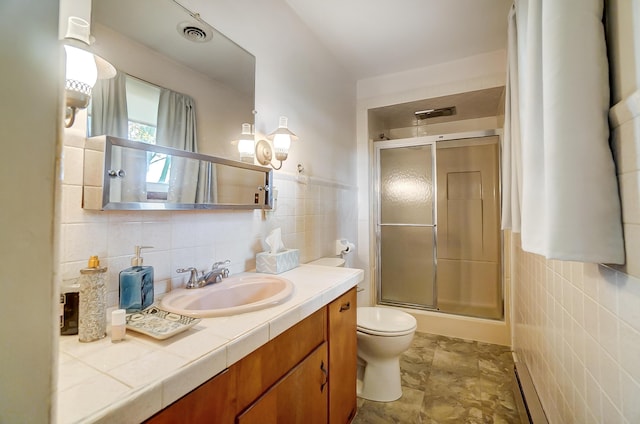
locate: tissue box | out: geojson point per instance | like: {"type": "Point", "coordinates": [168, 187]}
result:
{"type": "Point", "coordinates": [276, 263]}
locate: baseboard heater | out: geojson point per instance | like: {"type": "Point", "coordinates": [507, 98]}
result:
{"type": "Point", "coordinates": [528, 402]}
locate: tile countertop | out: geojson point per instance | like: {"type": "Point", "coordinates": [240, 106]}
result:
{"type": "Point", "coordinates": [132, 380]}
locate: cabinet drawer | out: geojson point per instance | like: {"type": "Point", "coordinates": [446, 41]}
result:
{"type": "Point", "coordinates": [262, 368]}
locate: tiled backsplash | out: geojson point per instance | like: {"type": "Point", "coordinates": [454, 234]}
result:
{"type": "Point", "coordinates": [577, 327]}
{"type": "Point", "coordinates": [312, 216]}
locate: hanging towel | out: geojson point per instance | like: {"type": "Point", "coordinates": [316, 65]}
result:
{"type": "Point", "coordinates": [511, 154]}
{"type": "Point", "coordinates": [570, 202]}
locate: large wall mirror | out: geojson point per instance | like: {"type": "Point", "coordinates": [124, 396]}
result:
{"type": "Point", "coordinates": [181, 84]}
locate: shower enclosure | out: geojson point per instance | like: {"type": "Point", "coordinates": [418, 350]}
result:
{"type": "Point", "coordinates": [437, 224]}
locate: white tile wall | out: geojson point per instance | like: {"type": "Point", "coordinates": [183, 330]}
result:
{"type": "Point", "coordinates": [577, 327]}
{"type": "Point", "coordinates": [312, 216]}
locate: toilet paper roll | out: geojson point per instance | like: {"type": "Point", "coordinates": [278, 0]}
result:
{"type": "Point", "coordinates": [343, 246]}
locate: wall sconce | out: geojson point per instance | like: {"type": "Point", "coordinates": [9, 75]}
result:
{"type": "Point", "coordinates": [246, 144]}
{"type": "Point", "coordinates": [83, 68]}
{"type": "Point", "coordinates": [281, 143]}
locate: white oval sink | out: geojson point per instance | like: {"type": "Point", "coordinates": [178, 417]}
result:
{"type": "Point", "coordinates": [234, 295]}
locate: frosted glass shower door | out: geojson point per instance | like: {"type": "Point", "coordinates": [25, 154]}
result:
{"type": "Point", "coordinates": [406, 224]}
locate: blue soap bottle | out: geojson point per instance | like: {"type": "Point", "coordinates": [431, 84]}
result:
{"type": "Point", "coordinates": [136, 284]}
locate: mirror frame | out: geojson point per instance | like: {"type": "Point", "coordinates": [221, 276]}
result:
{"type": "Point", "coordinates": [97, 182]}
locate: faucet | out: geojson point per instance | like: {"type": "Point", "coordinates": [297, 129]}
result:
{"type": "Point", "coordinates": [217, 273]}
{"type": "Point", "coordinates": [193, 277]}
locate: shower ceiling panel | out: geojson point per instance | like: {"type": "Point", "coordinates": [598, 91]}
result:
{"type": "Point", "coordinates": [469, 105]}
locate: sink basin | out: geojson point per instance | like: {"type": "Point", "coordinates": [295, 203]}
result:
{"type": "Point", "coordinates": [234, 295]}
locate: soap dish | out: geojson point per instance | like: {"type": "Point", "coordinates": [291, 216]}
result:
{"type": "Point", "coordinates": [158, 323]}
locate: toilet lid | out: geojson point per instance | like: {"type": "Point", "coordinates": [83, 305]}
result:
{"type": "Point", "coordinates": [379, 321]}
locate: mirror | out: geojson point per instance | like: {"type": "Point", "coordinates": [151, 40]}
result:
{"type": "Point", "coordinates": [162, 43]}
{"type": "Point", "coordinates": [121, 174]}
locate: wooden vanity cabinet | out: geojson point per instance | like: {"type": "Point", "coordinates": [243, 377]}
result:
{"type": "Point", "coordinates": [305, 375]}
{"type": "Point", "coordinates": [343, 358]}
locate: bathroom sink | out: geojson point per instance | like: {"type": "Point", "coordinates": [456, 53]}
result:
{"type": "Point", "coordinates": [234, 295]}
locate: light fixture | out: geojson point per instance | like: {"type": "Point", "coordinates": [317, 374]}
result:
{"type": "Point", "coordinates": [83, 68]}
{"type": "Point", "coordinates": [246, 144]}
{"type": "Point", "coordinates": [281, 143]}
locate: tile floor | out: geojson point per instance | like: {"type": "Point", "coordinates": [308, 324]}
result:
{"type": "Point", "coordinates": [447, 380]}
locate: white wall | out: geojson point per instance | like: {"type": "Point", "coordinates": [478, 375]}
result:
{"type": "Point", "coordinates": [29, 120]}
{"type": "Point", "coordinates": [469, 74]}
{"type": "Point", "coordinates": [577, 325]}
{"type": "Point", "coordinates": [296, 77]}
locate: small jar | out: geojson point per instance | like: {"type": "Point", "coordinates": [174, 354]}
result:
{"type": "Point", "coordinates": [93, 302]}
{"type": "Point", "coordinates": [118, 325]}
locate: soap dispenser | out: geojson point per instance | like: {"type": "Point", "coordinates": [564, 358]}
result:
{"type": "Point", "coordinates": [136, 284]}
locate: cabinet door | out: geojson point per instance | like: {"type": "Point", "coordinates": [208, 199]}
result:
{"type": "Point", "coordinates": [262, 368]}
{"type": "Point", "coordinates": [343, 351]}
{"type": "Point", "coordinates": [212, 402]}
{"type": "Point", "coordinates": [299, 397]}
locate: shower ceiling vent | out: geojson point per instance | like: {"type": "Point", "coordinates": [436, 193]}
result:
{"type": "Point", "coordinates": [434, 113]}
{"type": "Point", "coordinates": [195, 32]}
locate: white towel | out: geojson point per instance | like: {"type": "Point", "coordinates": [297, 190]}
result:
{"type": "Point", "coordinates": [570, 203]}
{"type": "Point", "coordinates": [511, 152]}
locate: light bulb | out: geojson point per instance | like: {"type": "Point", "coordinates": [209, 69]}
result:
{"type": "Point", "coordinates": [246, 144]}
{"type": "Point", "coordinates": [281, 144]}
{"type": "Point", "coordinates": [81, 66]}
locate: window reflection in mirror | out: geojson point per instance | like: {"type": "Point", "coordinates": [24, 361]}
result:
{"type": "Point", "coordinates": [142, 109]}
{"type": "Point", "coordinates": [141, 115]}
{"type": "Point", "coordinates": [116, 177]}
{"type": "Point", "coordinates": [140, 38]}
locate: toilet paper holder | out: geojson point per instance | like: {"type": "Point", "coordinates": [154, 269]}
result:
{"type": "Point", "coordinates": [343, 246]}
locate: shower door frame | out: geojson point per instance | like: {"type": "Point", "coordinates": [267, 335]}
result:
{"type": "Point", "coordinates": [399, 143]}
{"type": "Point", "coordinates": [421, 141]}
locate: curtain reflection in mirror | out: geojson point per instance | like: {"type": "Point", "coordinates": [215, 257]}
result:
{"type": "Point", "coordinates": [109, 114]}
{"type": "Point", "coordinates": [177, 129]}
{"type": "Point", "coordinates": [134, 109]}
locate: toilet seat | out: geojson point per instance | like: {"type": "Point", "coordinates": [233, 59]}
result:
{"type": "Point", "coordinates": [384, 322]}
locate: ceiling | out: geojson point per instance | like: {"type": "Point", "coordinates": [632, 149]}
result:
{"type": "Point", "coordinates": [377, 37]}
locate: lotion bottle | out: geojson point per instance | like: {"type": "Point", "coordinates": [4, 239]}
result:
{"type": "Point", "coordinates": [136, 284]}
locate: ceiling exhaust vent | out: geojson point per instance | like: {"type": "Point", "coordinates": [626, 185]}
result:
{"type": "Point", "coordinates": [435, 113]}
{"type": "Point", "coordinates": [194, 32]}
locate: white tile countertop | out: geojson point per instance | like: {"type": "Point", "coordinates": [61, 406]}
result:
{"type": "Point", "coordinates": [129, 381]}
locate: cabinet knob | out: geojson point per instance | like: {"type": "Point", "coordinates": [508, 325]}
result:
{"type": "Point", "coordinates": [114, 174]}
{"type": "Point", "coordinates": [345, 306]}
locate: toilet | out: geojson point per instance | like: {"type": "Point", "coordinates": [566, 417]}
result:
{"type": "Point", "coordinates": [383, 335]}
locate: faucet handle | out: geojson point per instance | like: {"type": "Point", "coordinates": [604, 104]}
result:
{"type": "Point", "coordinates": [193, 277]}
{"type": "Point", "coordinates": [218, 265]}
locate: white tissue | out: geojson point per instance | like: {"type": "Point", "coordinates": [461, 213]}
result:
{"type": "Point", "coordinates": [274, 241]}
